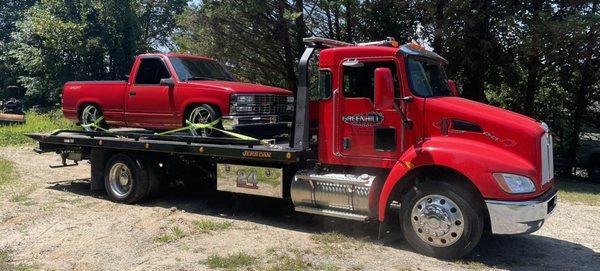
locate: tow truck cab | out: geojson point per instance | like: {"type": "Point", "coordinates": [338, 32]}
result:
{"type": "Point", "coordinates": [390, 121]}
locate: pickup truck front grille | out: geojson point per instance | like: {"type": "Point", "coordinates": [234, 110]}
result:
{"type": "Point", "coordinates": [263, 104]}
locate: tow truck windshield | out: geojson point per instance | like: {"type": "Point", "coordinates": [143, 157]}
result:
{"type": "Point", "coordinates": [199, 69]}
{"type": "Point", "coordinates": [427, 78]}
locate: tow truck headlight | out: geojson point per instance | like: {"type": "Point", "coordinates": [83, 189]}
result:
{"type": "Point", "coordinates": [514, 184]}
{"type": "Point", "coordinates": [245, 99]}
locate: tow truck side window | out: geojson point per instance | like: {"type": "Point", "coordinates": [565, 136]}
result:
{"type": "Point", "coordinates": [324, 84]}
{"type": "Point", "coordinates": [150, 72]}
{"type": "Point", "coordinates": [360, 81]}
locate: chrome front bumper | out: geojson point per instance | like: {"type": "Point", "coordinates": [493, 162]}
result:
{"type": "Point", "coordinates": [521, 217]}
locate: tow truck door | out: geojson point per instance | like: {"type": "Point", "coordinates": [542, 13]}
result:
{"type": "Point", "coordinates": [361, 131]}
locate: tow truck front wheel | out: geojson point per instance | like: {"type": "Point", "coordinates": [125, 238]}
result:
{"type": "Point", "coordinates": [441, 220]}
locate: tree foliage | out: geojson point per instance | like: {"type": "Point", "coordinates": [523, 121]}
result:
{"type": "Point", "coordinates": [538, 57]}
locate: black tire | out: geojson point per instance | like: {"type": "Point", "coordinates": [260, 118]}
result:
{"type": "Point", "coordinates": [593, 169]}
{"type": "Point", "coordinates": [471, 219]}
{"type": "Point", "coordinates": [84, 119]}
{"type": "Point", "coordinates": [213, 115]}
{"type": "Point", "coordinates": [138, 185]}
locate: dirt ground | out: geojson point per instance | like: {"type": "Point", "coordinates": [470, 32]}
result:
{"type": "Point", "coordinates": [50, 220]}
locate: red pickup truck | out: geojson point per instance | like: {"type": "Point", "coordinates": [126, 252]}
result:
{"type": "Point", "coordinates": [163, 91]}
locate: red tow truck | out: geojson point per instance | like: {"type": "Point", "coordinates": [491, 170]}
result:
{"type": "Point", "coordinates": [386, 139]}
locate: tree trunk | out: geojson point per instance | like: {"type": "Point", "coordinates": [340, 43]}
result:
{"type": "Point", "coordinates": [476, 46]}
{"type": "Point", "coordinates": [284, 40]}
{"type": "Point", "coordinates": [438, 36]}
{"type": "Point", "coordinates": [300, 27]}
{"type": "Point", "coordinates": [533, 62]}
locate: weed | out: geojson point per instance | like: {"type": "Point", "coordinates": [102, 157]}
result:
{"type": "Point", "coordinates": [230, 262]}
{"type": "Point", "coordinates": [209, 225]}
{"type": "Point", "coordinates": [174, 234]}
{"type": "Point", "coordinates": [6, 263]}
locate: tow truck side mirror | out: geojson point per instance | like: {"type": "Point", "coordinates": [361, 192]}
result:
{"type": "Point", "coordinates": [453, 88]}
{"type": "Point", "coordinates": [167, 82]}
{"type": "Point", "coordinates": [384, 89]}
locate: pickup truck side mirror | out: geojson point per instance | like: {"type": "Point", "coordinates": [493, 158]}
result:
{"type": "Point", "coordinates": [453, 88]}
{"type": "Point", "coordinates": [384, 89]}
{"type": "Point", "coordinates": [167, 82]}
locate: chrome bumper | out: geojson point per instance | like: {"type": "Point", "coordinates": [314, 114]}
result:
{"type": "Point", "coordinates": [521, 217]}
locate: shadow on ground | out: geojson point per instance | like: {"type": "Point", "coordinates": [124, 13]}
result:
{"type": "Point", "coordinates": [523, 252]}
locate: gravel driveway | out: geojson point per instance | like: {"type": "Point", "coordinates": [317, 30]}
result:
{"type": "Point", "coordinates": [49, 220]}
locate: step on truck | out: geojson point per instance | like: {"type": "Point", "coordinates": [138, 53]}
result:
{"type": "Point", "coordinates": [383, 138]}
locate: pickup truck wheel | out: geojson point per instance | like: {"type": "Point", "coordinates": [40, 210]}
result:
{"type": "Point", "coordinates": [126, 180]}
{"type": "Point", "coordinates": [203, 114]}
{"type": "Point", "coordinates": [441, 220]}
{"type": "Point", "coordinates": [593, 169]}
{"type": "Point", "coordinates": [90, 114]}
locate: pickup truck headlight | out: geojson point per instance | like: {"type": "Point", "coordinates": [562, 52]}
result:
{"type": "Point", "coordinates": [514, 184]}
{"type": "Point", "coordinates": [290, 99]}
{"type": "Point", "coordinates": [245, 99]}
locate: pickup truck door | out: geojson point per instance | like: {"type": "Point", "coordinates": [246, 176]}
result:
{"type": "Point", "coordinates": [149, 104]}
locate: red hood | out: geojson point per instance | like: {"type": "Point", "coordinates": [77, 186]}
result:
{"type": "Point", "coordinates": [508, 130]}
{"type": "Point", "coordinates": [239, 87]}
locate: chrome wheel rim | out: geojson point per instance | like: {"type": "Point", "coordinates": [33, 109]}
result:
{"type": "Point", "coordinates": [120, 179]}
{"type": "Point", "coordinates": [89, 115]}
{"type": "Point", "coordinates": [200, 115]}
{"type": "Point", "coordinates": [437, 220]}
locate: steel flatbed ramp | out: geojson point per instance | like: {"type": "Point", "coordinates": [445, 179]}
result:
{"type": "Point", "coordinates": [213, 147]}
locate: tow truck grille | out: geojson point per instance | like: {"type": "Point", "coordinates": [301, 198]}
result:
{"type": "Point", "coordinates": [547, 158]}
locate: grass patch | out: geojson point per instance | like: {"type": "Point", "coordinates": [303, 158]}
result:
{"type": "Point", "coordinates": [209, 225]}
{"type": "Point", "coordinates": [331, 237]}
{"type": "Point", "coordinates": [6, 172]}
{"type": "Point", "coordinates": [174, 234]}
{"type": "Point", "coordinates": [6, 263]}
{"type": "Point", "coordinates": [579, 191]}
{"type": "Point", "coordinates": [14, 135]}
{"type": "Point", "coordinates": [230, 262]}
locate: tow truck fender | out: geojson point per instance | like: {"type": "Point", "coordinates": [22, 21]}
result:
{"type": "Point", "coordinates": [474, 160]}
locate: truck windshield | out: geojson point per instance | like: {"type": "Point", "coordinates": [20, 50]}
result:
{"type": "Point", "coordinates": [427, 78]}
{"type": "Point", "coordinates": [199, 69]}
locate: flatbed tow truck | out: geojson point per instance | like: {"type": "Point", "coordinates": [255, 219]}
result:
{"type": "Point", "coordinates": [387, 140]}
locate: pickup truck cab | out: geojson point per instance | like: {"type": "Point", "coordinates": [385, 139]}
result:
{"type": "Point", "coordinates": [163, 91]}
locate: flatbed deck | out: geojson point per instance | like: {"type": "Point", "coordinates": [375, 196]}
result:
{"type": "Point", "coordinates": [211, 147]}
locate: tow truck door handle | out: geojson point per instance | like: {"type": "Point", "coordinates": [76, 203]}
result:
{"type": "Point", "coordinates": [132, 93]}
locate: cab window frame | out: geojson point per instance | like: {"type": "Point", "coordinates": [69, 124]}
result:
{"type": "Point", "coordinates": [137, 72]}
{"type": "Point", "coordinates": [331, 84]}
{"type": "Point", "coordinates": [398, 84]}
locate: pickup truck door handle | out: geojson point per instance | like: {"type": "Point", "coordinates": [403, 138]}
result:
{"type": "Point", "coordinates": [132, 93]}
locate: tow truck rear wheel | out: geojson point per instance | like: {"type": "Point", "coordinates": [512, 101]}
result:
{"type": "Point", "coordinates": [441, 220]}
{"type": "Point", "coordinates": [126, 179]}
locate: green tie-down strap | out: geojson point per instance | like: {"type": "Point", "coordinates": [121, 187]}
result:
{"type": "Point", "coordinates": [195, 126]}
{"type": "Point", "coordinates": [96, 125]}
